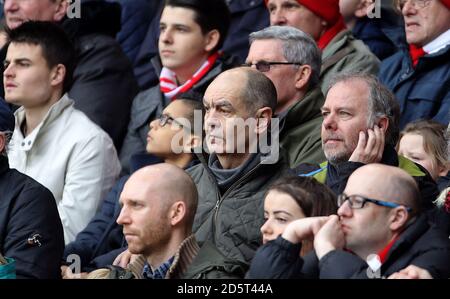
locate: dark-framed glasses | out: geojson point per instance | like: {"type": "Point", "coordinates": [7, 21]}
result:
{"type": "Point", "coordinates": [165, 119]}
{"type": "Point", "coordinates": [358, 202]}
{"type": "Point", "coordinates": [264, 66]}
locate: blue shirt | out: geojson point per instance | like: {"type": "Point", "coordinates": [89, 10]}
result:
{"type": "Point", "coordinates": [158, 273]}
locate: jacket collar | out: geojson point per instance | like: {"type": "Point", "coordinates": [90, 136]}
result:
{"type": "Point", "coordinates": [4, 165]}
{"type": "Point", "coordinates": [304, 110]}
{"type": "Point", "coordinates": [409, 236]}
{"type": "Point", "coordinates": [53, 113]}
{"type": "Point", "coordinates": [183, 257]}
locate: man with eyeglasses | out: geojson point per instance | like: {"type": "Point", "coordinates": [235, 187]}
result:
{"type": "Point", "coordinates": [341, 52]}
{"type": "Point", "coordinates": [293, 65]}
{"type": "Point", "coordinates": [171, 139]}
{"type": "Point", "coordinates": [379, 232]}
{"type": "Point", "coordinates": [419, 74]}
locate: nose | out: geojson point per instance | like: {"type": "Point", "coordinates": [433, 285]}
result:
{"type": "Point", "coordinates": [277, 17]}
{"type": "Point", "coordinates": [10, 5]}
{"type": "Point", "coordinates": [165, 36]}
{"type": "Point", "coordinates": [211, 122]}
{"type": "Point", "coordinates": [8, 71]}
{"type": "Point", "coordinates": [123, 218]}
{"type": "Point", "coordinates": [329, 122]}
{"type": "Point", "coordinates": [266, 229]}
{"type": "Point", "coordinates": [154, 124]}
{"type": "Point", "coordinates": [409, 8]}
{"type": "Point", "coordinates": [345, 210]}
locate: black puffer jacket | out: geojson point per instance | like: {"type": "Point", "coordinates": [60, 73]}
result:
{"type": "Point", "coordinates": [27, 210]}
{"type": "Point", "coordinates": [104, 83]}
{"type": "Point", "coordinates": [420, 244]}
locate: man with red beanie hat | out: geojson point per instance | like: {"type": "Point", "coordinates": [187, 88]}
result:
{"type": "Point", "coordinates": [419, 74]}
{"type": "Point", "coordinates": [341, 52]}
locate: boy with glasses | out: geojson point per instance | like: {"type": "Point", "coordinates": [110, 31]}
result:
{"type": "Point", "coordinates": [369, 238]}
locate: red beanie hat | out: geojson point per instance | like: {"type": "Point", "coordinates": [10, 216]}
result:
{"type": "Point", "coordinates": [325, 9]}
{"type": "Point", "coordinates": [446, 3]}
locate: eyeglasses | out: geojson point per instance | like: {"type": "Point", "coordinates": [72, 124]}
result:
{"type": "Point", "coordinates": [358, 202]}
{"type": "Point", "coordinates": [415, 3]}
{"type": "Point", "coordinates": [165, 119]}
{"type": "Point", "coordinates": [264, 66]}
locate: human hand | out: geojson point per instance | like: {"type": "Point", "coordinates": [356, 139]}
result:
{"type": "Point", "coordinates": [329, 237]}
{"type": "Point", "coordinates": [67, 273]}
{"type": "Point", "coordinates": [369, 149]}
{"type": "Point", "coordinates": [411, 272]}
{"type": "Point", "coordinates": [125, 258]}
{"type": "Point", "coordinates": [302, 229]}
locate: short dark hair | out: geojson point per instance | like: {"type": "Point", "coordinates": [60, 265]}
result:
{"type": "Point", "coordinates": [259, 91]}
{"type": "Point", "coordinates": [314, 198]}
{"type": "Point", "coordinates": [194, 100]}
{"type": "Point", "coordinates": [55, 44]}
{"type": "Point", "coordinates": [209, 15]}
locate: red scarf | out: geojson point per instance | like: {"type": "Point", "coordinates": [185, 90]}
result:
{"type": "Point", "coordinates": [326, 38]}
{"type": "Point", "coordinates": [416, 53]}
{"type": "Point", "coordinates": [168, 79]}
{"type": "Point", "coordinates": [383, 253]}
{"type": "Point", "coordinates": [447, 202]}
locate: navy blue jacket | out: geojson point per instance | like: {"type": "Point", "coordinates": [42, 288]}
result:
{"type": "Point", "coordinates": [369, 31]}
{"type": "Point", "coordinates": [27, 210]}
{"type": "Point", "coordinates": [422, 92]}
{"type": "Point", "coordinates": [102, 240]}
{"type": "Point", "coordinates": [136, 17]}
{"type": "Point", "coordinates": [247, 16]}
{"type": "Point", "coordinates": [420, 244]}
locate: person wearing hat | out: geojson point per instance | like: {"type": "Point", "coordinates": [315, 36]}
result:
{"type": "Point", "coordinates": [341, 52]}
{"type": "Point", "coordinates": [419, 74]}
{"type": "Point", "coordinates": [31, 232]}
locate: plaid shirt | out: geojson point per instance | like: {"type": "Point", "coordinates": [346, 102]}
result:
{"type": "Point", "coordinates": [160, 272]}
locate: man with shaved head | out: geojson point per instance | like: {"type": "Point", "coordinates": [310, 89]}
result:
{"type": "Point", "coordinates": [379, 231]}
{"type": "Point", "coordinates": [158, 208]}
{"type": "Point", "coordinates": [159, 203]}
{"type": "Point", "coordinates": [232, 183]}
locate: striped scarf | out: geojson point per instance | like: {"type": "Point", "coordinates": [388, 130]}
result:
{"type": "Point", "coordinates": [168, 80]}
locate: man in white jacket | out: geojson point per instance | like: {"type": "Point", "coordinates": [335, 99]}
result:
{"type": "Point", "coordinates": [53, 142]}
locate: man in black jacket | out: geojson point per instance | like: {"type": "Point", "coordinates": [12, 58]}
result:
{"type": "Point", "coordinates": [103, 80]}
{"type": "Point", "coordinates": [380, 232]}
{"type": "Point", "coordinates": [30, 228]}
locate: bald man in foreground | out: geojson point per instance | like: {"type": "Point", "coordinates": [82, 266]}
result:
{"type": "Point", "coordinates": [379, 232]}
{"type": "Point", "coordinates": [158, 207]}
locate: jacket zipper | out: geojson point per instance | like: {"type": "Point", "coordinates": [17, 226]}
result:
{"type": "Point", "coordinates": [221, 198]}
